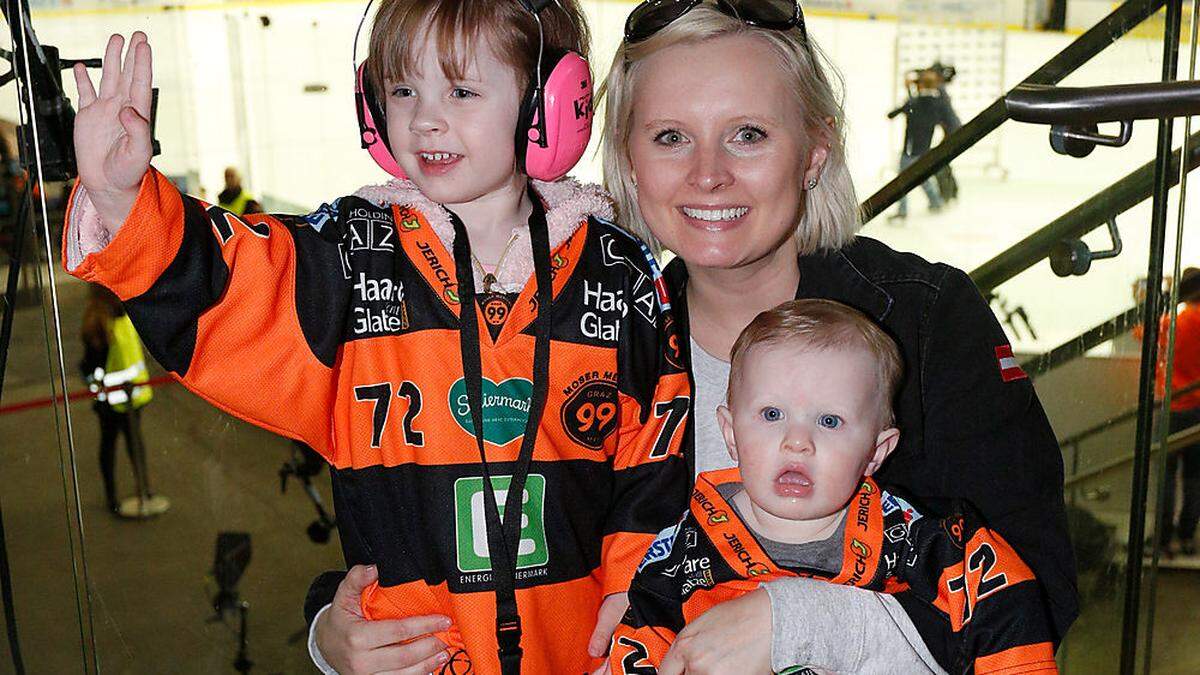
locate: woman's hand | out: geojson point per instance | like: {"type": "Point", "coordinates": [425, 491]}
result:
{"type": "Point", "coordinates": [732, 637]}
{"type": "Point", "coordinates": [607, 618]}
{"type": "Point", "coordinates": [354, 645]}
{"type": "Point", "coordinates": [112, 129]}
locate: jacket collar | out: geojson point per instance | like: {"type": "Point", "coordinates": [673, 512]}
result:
{"type": "Point", "coordinates": [568, 204]}
{"type": "Point", "coordinates": [837, 276]}
{"type": "Point", "coordinates": [825, 274]}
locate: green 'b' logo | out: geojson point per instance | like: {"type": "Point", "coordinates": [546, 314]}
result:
{"type": "Point", "coordinates": [505, 408]}
{"type": "Point", "coordinates": [470, 522]}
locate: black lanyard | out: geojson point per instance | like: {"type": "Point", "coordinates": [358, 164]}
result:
{"type": "Point", "coordinates": [503, 540]}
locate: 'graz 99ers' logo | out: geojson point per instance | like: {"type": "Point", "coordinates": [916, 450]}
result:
{"type": "Point", "coordinates": [590, 414]}
{"type": "Point", "coordinates": [495, 310]}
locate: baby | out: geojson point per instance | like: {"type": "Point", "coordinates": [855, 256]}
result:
{"type": "Point", "coordinates": [809, 420]}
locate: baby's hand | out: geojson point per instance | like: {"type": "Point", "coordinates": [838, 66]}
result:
{"type": "Point", "coordinates": [607, 618]}
{"type": "Point", "coordinates": [112, 130]}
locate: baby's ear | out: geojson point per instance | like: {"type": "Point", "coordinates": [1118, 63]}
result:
{"type": "Point", "coordinates": [725, 421]}
{"type": "Point", "coordinates": [885, 443]}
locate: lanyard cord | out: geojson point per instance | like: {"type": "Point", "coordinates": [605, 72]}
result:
{"type": "Point", "coordinates": [503, 539]}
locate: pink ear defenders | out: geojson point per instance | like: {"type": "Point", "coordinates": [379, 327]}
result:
{"type": "Point", "coordinates": [553, 129]}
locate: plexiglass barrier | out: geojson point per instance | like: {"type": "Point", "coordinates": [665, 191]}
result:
{"type": "Point", "coordinates": [266, 88]}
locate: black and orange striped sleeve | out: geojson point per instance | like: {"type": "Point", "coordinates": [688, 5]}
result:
{"type": "Point", "coordinates": [637, 651]}
{"type": "Point", "coordinates": [976, 603]}
{"type": "Point", "coordinates": [656, 613]}
{"type": "Point", "coordinates": [244, 310]}
{"type": "Point", "coordinates": [650, 476]}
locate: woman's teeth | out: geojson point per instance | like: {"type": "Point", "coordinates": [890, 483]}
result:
{"type": "Point", "coordinates": [715, 214]}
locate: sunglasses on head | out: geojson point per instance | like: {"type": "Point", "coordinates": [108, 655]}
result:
{"type": "Point", "coordinates": [654, 15]}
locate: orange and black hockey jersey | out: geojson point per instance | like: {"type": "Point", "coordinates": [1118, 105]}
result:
{"type": "Point", "coordinates": [340, 329]}
{"type": "Point", "coordinates": [950, 571]}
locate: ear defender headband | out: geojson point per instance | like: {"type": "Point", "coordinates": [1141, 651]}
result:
{"type": "Point", "coordinates": [555, 122]}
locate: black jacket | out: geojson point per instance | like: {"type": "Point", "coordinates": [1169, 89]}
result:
{"type": "Point", "coordinates": [964, 432]}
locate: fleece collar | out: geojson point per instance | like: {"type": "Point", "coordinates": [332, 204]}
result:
{"type": "Point", "coordinates": [568, 204]}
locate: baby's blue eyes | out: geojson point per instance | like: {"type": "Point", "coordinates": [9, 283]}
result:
{"type": "Point", "coordinates": [402, 92]}
{"type": "Point", "coordinates": [829, 421]}
{"type": "Point", "coordinates": [826, 421]}
{"type": "Point", "coordinates": [459, 92]}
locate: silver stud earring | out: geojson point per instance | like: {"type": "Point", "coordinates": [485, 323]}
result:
{"type": "Point", "coordinates": [812, 183]}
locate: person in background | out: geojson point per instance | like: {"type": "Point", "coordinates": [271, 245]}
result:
{"type": "Point", "coordinates": [115, 369]}
{"type": "Point", "coordinates": [1185, 414]}
{"type": "Point", "coordinates": [924, 112]}
{"type": "Point", "coordinates": [234, 197]}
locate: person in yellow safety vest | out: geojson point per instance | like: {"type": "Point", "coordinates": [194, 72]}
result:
{"type": "Point", "coordinates": [234, 197]}
{"type": "Point", "coordinates": [115, 369]}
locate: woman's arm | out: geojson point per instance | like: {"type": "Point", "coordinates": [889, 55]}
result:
{"type": "Point", "coordinates": [988, 442]}
{"type": "Point", "coordinates": [341, 641]}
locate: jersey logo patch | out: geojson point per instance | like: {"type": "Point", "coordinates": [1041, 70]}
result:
{"type": "Point", "coordinates": [590, 415]}
{"type": "Point", "coordinates": [470, 524]}
{"type": "Point", "coordinates": [505, 408]}
{"type": "Point", "coordinates": [646, 296]}
{"type": "Point", "coordinates": [661, 547]}
{"type": "Point", "coordinates": [891, 503]}
{"type": "Point", "coordinates": [324, 213]}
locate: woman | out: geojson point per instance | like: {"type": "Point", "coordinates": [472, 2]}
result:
{"type": "Point", "coordinates": [723, 144]}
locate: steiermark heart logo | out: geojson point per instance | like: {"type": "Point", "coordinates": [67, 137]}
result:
{"type": "Point", "coordinates": [505, 408]}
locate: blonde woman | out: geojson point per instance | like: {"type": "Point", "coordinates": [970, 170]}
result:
{"type": "Point", "coordinates": [724, 144]}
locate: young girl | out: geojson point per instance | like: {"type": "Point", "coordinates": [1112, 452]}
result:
{"type": "Point", "coordinates": [345, 329]}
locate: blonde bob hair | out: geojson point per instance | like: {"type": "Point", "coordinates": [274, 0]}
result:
{"type": "Point", "coordinates": [831, 215]}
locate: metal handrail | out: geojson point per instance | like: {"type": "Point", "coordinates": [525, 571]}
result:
{"type": "Point", "coordinates": [1122, 20]}
{"type": "Point", "coordinates": [1175, 442]}
{"type": "Point", "coordinates": [1080, 345]}
{"type": "Point", "coordinates": [1123, 416]}
{"type": "Point", "coordinates": [1045, 104]}
{"type": "Point", "coordinates": [1096, 211]}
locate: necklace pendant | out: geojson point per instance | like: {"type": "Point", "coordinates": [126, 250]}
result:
{"type": "Point", "coordinates": [488, 280]}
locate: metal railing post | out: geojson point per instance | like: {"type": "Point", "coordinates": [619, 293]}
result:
{"type": "Point", "coordinates": [1150, 322]}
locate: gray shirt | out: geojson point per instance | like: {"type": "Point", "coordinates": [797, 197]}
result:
{"type": "Point", "coordinates": [824, 555]}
